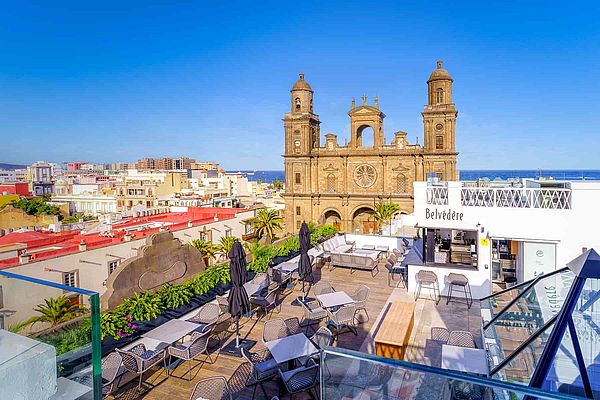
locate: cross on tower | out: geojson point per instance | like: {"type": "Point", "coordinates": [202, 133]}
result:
{"type": "Point", "coordinates": [364, 97]}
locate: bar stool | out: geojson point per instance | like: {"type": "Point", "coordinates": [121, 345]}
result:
{"type": "Point", "coordinates": [463, 282]}
{"type": "Point", "coordinates": [429, 280]}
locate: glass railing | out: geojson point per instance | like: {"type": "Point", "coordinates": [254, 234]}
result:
{"type": "Point", "coordinates": [49, 340]}
{"type": "Point", "coordinates": [347, 374]}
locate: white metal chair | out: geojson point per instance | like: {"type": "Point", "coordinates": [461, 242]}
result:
{"type": "Point", "coordinates": [188, 351]}
{"type": "Point", "coordinates": [213, 388]}
{"type": "Point", "coordinates": [139, 360]}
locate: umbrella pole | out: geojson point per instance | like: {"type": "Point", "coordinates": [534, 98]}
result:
{"type": "Point", "coordinates": [303, 290]}
{"type": "Point", "coordinates": [237, 332]}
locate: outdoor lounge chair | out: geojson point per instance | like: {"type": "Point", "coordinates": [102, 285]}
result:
{"type": "Point", "coordinates": [139, 360]}
{"type": "Point", "coordinates": [188, 351]}
{"type": "Point", "coordinates": [300, 379]}
{"type": "Point", "coordinates": [360, 297]}
{"type": "Point", "coordinates": [313, 313]}
{"type": "Point", "coordinates": [343, 317]}
{"type": "Point", "coordinates": [274, 329]}
{"type": "Point", "coordinates": [264, 369]}
{"type": "Point", "coordinates": [111, 364]}
{"type": "Point", "coordinates": [213, 388]}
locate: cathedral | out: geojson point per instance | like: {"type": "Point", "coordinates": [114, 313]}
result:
{"type": "Point", "coordinates": [340, 183]}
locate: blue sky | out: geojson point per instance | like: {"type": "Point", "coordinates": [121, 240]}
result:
{"type": "Point", "coordinates": [118, 81]}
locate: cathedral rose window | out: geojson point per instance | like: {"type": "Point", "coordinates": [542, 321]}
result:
{"type": "Point", "coordinates": [365, 175]}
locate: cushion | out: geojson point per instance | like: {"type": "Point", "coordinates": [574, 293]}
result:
{"type": "Point", "coordinates": [267, 365]}
{"type": "Point", "coordinates": [148, 354]}
{"type": "Point", "coordinates": [343, 248]}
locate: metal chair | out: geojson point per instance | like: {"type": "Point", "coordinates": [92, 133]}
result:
{"type": "Point", "coordinates": [440, 334]}
{"type": "Point", "coordinates": [313, 313]}
{"type": "Point", "coordinates": [360, 297]}
{"type": "Point", "coordinates": [323, 288]}
{"type": "Point", "coordinates": [293, 325]}
{"type": "Point", "coordinates": [111, 364]}
{"type": "Point", "coordinates": [207, 315]}
{"type": "Point", "coordinates": [343, 317]}
{"type": "Point", "coordinates": [274, 329]}
{"type": "Point", "coordinates": [462, 339]}
{"type": "Point", "coordinates": [394, 268]}
{"type": "Point", "coordinates": [429, 280]}
{"type": "Point", "coordinates": [270, 300]}
{"type": "Point", "coordinates": [188, 351]}
{"type": "Point", "coordinates": [300, 379]}
{"type": "Point", "coordinates": [139, 360]}
{"type": "Point", "coordinates": [213, 388]}
{"type": "Point", "coordinates": [462, 282]}
{"type": "Point", "coordinates": [264, 369]}
{"type": "Point", "coordinates": [321, 338]}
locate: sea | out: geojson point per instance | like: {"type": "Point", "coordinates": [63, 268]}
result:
{"type": "Point", "coordinates": [468, 175]}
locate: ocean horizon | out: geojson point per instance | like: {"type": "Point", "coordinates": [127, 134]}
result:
{"type": "Point", "coordinates": [270, 176]}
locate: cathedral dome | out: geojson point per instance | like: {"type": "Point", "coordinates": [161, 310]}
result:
{"type": "Point", "coordinates": [301, 84]}
{"type": "Point", "coordinates": [439, 73]}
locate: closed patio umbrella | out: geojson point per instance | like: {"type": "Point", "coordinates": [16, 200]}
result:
{"type": "Point", "coordinates": [239, 303]}
{"type": "Point", "coordinates": [304, 267]}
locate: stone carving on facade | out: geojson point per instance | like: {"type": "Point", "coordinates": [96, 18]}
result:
{"type": "Point", "coordinates": [163, 259]}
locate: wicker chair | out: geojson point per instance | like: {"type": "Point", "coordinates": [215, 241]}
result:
{"type": "Point", "coordinates": [440, 334]}
{"type": "Point", "coordinates": [360, 297]}
{"type": "Point", "coordinates": [213, 388]}
{"type": "Point", "coordinates": [139, 360]}
{"type": "Point", "coordinates": [321, 338]}
{"type": "Point", "coordinates": [429, 280]}
{"type": "Point", "coordinates": [274, 329]}
{"type": "Point", "coordinates": [269, 301]}
{"type": "Point", "coordinates": [207, 315]}
{"type": "Point", "coordinates": [293, 325]}
{"type": "Point", "coordinates": [313, 314]}
{"type": "Point", "coordinates": [110, 369]}
{"type": "Point", "coordinates": [264, 369]}
{"type": "Point", "coordinates": [323, 288]}
{"type": "Point", "coordinates": [188, 351]}
{"type": "Point", "coordinates": [462, 339]}
{"type": "Point", "coordinates": [300, 379]}
{"type": "Point", "coordinates": [343, 317]}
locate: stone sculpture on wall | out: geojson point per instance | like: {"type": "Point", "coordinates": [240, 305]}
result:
{"type": "Point", "coordinates": [163, 259]}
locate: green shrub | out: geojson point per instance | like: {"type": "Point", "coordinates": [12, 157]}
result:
{"type": "Point", "coordinates": [116, 324]}
{"type": "Point", "coordinates": [174, 296]}
{"type": "Point", "coordinates": [71, 339]}
{"type": "Point", "coordinates": [142, 307]}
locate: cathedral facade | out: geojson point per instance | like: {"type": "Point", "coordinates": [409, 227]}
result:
{"type": "Point", "coordinates": [340, 183]}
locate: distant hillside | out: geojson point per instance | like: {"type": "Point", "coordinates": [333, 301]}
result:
{"type": "Point", "coordinates": [12, 166]}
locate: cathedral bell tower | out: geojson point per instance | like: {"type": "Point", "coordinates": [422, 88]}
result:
{"type": "Point", "coordinates": [439, 115]}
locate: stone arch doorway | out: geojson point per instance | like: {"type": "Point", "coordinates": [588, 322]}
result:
{"type": "Point", "coordinates": [365, 136]}
{"type": "Point", "coordinates": [334, 218]}
{"type": "Point", "coordinates": [363, 221]}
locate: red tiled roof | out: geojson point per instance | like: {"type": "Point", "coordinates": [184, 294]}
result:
{"type": "Point", "coordinates": [62, 243]}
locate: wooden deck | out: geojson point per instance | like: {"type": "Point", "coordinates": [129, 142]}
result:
{"type": "Point", "coordinates": [427, 314]}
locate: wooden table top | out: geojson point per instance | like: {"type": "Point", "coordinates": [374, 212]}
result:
{"type": "Point", "coordinates": [396, 323]}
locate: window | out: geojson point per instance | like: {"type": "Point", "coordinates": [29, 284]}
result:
{"type": "Point", "coordinates": [112, 265]}
{"type": "Point", "coordinates": [297, 103]}
{"type": "Point", "coordinates": [298, 225]}
{"type": "Point", "coordinates": [298, 180]}
{"type": "Point", "coordinates": [331, 183]}
{"type": "Point", "coordinates": [439, 142]}
{"type": "Point", "coordinates": [401, 183]}
{"type": "Point", "coordinates": [227, 232]}
{"type": "Point", "coordinates": [298, 210]}
{"type": "Point", "coordinates": [439, 96]}
{"type": "Point", "coordinates": [439, 175]}
{"type": "Point", "coordinates": [70, 278]}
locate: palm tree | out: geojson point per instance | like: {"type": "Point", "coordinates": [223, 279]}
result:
{"type": "Point", "coordinates": [56, 310]}
{"type": "Point", "coordinates": [207, 249]}
{"type": "Point", "coordinates": [385, 211]}
{"type": "Point", "coordinates": [267, 222]}
{"type": "Point", "coordinates": [225, 244]}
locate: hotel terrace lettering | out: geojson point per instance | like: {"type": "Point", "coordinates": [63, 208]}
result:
{"type": "Point", "coordinates": [448, 215]}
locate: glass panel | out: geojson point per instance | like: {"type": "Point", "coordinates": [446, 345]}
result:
{"type": "Point", "coordinates": [46, 340]}
{"type": "Point", "coordinates": [347, 374]}
{"type": "Point", "coordinates": [534, 309]}
{"type": "Point", "coordinates": [564, 376]}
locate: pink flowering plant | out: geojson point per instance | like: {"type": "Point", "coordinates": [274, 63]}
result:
{"type": "Point", "coordinates": [117, 324]}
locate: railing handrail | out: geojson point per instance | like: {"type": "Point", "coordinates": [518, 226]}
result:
{"type": "Point", "coordinates": [48, 283]}
{"type": "Point", "coordinates": [461, 376]}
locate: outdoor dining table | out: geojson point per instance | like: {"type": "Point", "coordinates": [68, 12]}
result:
{"type": "Point", "coordinates": [334, 299]}
{"type": "Point", "coordinates": [171, 331]}
{"type": "Point", "coordinates": [464, 359]}
{"type": "Point", "coordinates": [252, 288]}
{"type": "Point", "coordinates": [287, 267]}
{"type": "Point", "coordinates": [290, 347]}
